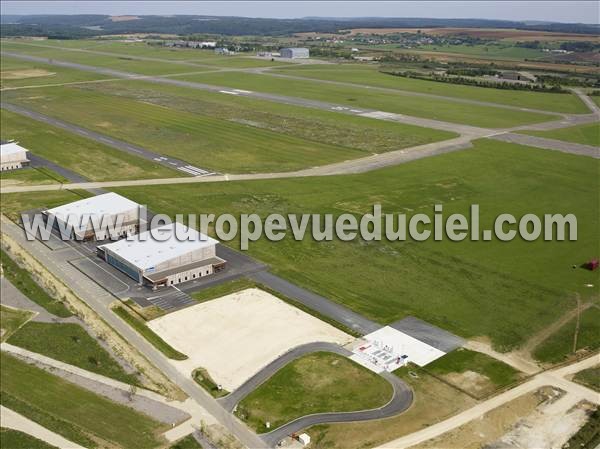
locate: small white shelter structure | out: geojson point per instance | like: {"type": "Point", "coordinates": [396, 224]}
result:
{"type": "Point", "coordinates": [304, 438]}
{"type": "Point", "coordinates": [12, 156]}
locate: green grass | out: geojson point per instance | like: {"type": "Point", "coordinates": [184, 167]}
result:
{"type": "Point", "coordinates": [361, 133]}
{"type": "Point", "coordinates": [148, 334]}
{"type": "Point", "coordinates": [493, 50]}
{"type": "Point", "coordinates": [588, 134]}
{"type": "Point", "coordinates": [21, 279]}
{"type": "Point", "coordinates": [70, 343]}
{"type": "Point", "coordinates": [11, 320]}
{"type": "Point", "coordinates": [188, 442]}
{"type": "Point", "coordinates": [445, 110]}
{"type": "Point", "coordinates": [17, 73]}
{"type": "Point", "coordinates": [223, 289]}
{"type": "Point", "coordinates": [52, 401]}
{"type": "Point", "coordinates": [588, 436]}
{"type": "Point", "coordinates": [91, 159]}
{"type": "Point", "coordinates": [369, 75]}
{"type": "Point", "coordinates": [589, 377]}
{"type": "Point", "coordinates": [41, 175]}
{"type": "Point", "coordinates": [505, 290]}
{"type": "Point", "coordinates": [202, 378]}
{"type": "Point", "coordinates": [13, 439]}
{"type": "Point", "coordinates": [559, 346]}
{"type": "Point", "coordinates": [315, 383]}
{"type": "Point", "coordinates": [14, 203]}
{"type": "Point", "coordinates": [499, 374]}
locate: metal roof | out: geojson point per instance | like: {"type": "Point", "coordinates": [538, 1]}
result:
{"type": "Point", "coordinates": [145, 252]}
{"type": "Point", "coordinates": [106, 204]}
{"type": "Point", "coordinates": [11, 148]}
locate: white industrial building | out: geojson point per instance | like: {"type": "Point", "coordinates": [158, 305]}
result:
{"type": "Point", "coordinates": [109, 209]}
{"type": "Point", "coordinates": [12, 156]}
{"type": "Point", "coordinates": [294, 53]}
{"type": "Point", "coordinates": [168, 260]}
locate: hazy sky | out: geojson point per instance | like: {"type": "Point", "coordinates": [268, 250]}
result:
{"type": "Point", "coordinates": [558, 11]}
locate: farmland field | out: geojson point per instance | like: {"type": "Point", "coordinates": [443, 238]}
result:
{"type": "Point", "coordinates": [468, 287]}
{"type": "Point", "coordinates": [369, 75]}
{"type": "Point", "coordinates": [197, 138]}
{"type": "Point", "coordinates": [588, 134]}
{"type": "Point", "coordinates": [72, 411]}
{"type": "Point", "coordinates": [86, 157]}
{"type": "Point", "coordinates": [446, 110]}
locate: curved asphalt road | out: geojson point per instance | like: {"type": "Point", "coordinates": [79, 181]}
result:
{"type": "Point", "coordinates": [401, 399]}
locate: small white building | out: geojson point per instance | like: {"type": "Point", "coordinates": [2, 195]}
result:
{"type": "Point", "coordinates": [295, 53]}
{"type": "Point", "coordinates": [110, 208]}
{"type": "Point", "coordinates": [168, 255]}
{"type": "Point", "coordinates": [12, 156]}
{"type": "Point", "coordinates": [304, 438]}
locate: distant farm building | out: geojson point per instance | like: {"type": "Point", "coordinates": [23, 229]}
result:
{"type": "Point", "coordinates": [110, 207]}
{"type": "Point", "coordinates": [12, 156]}
{"type": "Point", "coordinates": [518, 76]}
{"type": "Point", "coordinates": [295, 53]}
{"type": "Point", "coordinates": [182, 254]}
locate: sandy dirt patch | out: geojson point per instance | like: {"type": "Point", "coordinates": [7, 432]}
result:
{"type": "Point", "coordinates": [233, 337]}
{"type": "Point", "coordinates": [470, 381]}
{"type": "Point", "coordinates": [24, 74]}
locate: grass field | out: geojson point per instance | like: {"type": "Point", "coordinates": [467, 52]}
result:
{"type": "Point", "coordinates": [585, 134]}
{"type": "Point", "coordinates": [470, 287]}
{"type": "Point", "coordinates": [11, 320]}
{"type": "Point", "coordinates": [13, 439]}
{"type": "Point", "coordinates": [72, 411]}
{"type": "Point", "coordinates": [445, 110]}
{"type": "Point", "coordinates": [148, 334]}
{"type": "Point", "coordinates": [496, 374]}
{"type": "Point", "coordinates": [188, 442]}
{"type": "Point", "coordinates": [197, 139]}
{"type": "Point", "coordinates": [589, 377]}
{"type": "Point", "coordinates": [70, 343]}
{"type": "Point", "coordinates": [21, 279]}
{"type": "Point", "coordinates": [435, 401]}
{"type": "Point", "coordinates": [30, 175]}
{"type": "Point", "coordinates": [559, 346]}
{"type": "Point", "coordinates": [361, 133]}
{"type": "Point", "coordinates": [369, 75]}
{"type": "Point", "coordinates": [19, 73]}
{"type": "Point", "coordinates": [91, 159]}
{"type": "Point", "coordinates": [315, 383]}
{"type": "Point", "coordinates": [226, 288]}
{"type": "Point", "coordinates": [13, 204]}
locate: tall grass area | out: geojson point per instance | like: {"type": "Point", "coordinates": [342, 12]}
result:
{"type": "Point", "coordinates": [70, 343]}
{"type": "Point", "coordinates": [21, 279]}
{"type": "Point", "coordinates": [12, 319]}
{"type": "Point", "coordinates": [504, 290]}
{"type": "Point", "coordinates": [73, 412]}
{"type": "Point", "coordinates": [370, 75]}
{"type": "Point", "coordinates": [13, 439]}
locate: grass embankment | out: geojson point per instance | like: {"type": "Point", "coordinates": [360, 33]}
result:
{"type": "Point", "coordinates": [477, 374]}
{"type": "Point", "coordinates": [13, 439]}
{"type": "Point", "coordinates": [73, 412]}
{"type": "Point", "coordinates": [559, 346]}
{"type": "Point", "coordinates": [315, 383]}
{"type": "Point", "coordinates": [21, 279]}
{"type": "Point", "coordinates": [370, 75]}
{"type": "Point", "coordinates": [91, 159]}
{"type": "Point", "coordinates": [438, 281]}
{"type": "Point", "coordinates": [140, 326]}
{"type": "Point", "coordinates": [435, 401]}
{"type": "Point", "coordinates": [11, 320]}
{"type": "Point", "coordinates": [585, 134]}
{"type": "Point", "coordinates": [70, 343]}
{"type": "Point", "coordinates": [38, 175]}
{"type": "Point", "coordinates": [589, 377]}
{"type": "Point", "coordinates": [202, 378]}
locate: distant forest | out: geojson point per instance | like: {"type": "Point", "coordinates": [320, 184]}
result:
{"type": "Point", "coordinates": [78, 26]}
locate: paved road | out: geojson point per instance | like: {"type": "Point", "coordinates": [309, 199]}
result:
{"type": "Point", "coordinates": [549, 144]}
{"type": "Point", "coordinates": [14, 420]}
{"type": "Point", "coordinates": [548, 378]}
{"type": "Point", "coordinates": [401, 400]}
{"type": "Point", "coordinates": [169, 162]}
{"type": "Point", "coordinates": [318, 303]}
